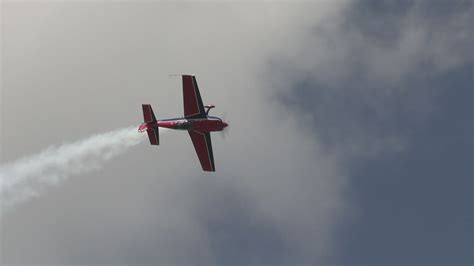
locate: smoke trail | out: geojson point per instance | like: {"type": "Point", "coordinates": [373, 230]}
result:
{"type": "Point", "coordinates": [28, 176]}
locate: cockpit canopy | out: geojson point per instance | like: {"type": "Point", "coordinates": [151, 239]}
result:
{"type": "Point", "coordinates": [209, 107]}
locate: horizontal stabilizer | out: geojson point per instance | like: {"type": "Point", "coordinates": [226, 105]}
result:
{"type": "Point", "coordinates": [148, 115]}
{"type": "Point", "coordinates": [152, 127]}
{"type": "Point", "coordinates": [153, 136]}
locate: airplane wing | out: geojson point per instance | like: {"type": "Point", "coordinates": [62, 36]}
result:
{"type": "Point", "coordinates": [193, 107]}
{"type": "Point", "coordinates": [203, 146]}
{"type": "Point", "coordinates": [149, 117]}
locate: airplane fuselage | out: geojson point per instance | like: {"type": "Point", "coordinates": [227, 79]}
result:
{"type": "Point", "coordinates": [196, 121]}
{"type": "Point", "coordinates": [208, 124]}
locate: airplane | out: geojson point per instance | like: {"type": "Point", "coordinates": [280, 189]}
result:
{"type": "Point", "coordinates": [196, 121]}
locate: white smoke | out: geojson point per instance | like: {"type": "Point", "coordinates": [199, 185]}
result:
{"type": "Point", "coordinates": [29, 176]}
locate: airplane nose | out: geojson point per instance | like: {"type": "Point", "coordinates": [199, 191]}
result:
{"type": "Point", "coordinates": [224, 124]}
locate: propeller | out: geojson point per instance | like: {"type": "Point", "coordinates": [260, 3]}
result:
{"type": "Point", "coordinates": [225, 131]}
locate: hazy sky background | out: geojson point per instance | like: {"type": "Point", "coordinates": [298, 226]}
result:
{"type": "Point", "coordinates": [350, 139]}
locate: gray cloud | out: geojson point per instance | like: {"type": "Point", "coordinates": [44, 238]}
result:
{"type": "Point", "coordinates": [86, 67]}
{"type": "Point", "coordinates": [310, 90]}
{"type": "Point", "coordinates": [388, 89]}
{"type": "Point", "coordinates": [364, 75]}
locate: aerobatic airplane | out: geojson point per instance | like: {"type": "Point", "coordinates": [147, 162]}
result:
{"type": "Point", "coordinates": [196, 121]}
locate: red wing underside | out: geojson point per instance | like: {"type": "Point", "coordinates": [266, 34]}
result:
{"type": "Point", "coordinates": [193, 106]}
{"type": "Point", "coordinates": [202, 145]}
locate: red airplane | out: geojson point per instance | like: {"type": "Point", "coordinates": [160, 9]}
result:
{"type": "Point", "coordinates": [196, 121]}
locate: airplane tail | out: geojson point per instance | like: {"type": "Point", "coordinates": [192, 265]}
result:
{"type": "Point", "coordinates": [152, 127]}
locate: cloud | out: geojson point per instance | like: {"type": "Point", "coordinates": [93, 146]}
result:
{"type": "Point", "coordinates": [306, 93]}
{"type": "Point", "coordinates": [362, 76]}
{"type": "Point", "coordinates": [372, 87]}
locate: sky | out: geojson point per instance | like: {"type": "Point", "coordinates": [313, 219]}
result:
{"type": "Point", "coordinates": [350, 135]}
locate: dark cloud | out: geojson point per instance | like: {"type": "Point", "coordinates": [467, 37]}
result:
{"type": "Point", "coordinates": [406, 135]}
{"type": "Point", "coordinates": [416, 205]}
{"type": "Point", "coordinates": [378, 21]}
{"type": "Point", "coordinates": [238, 232]}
